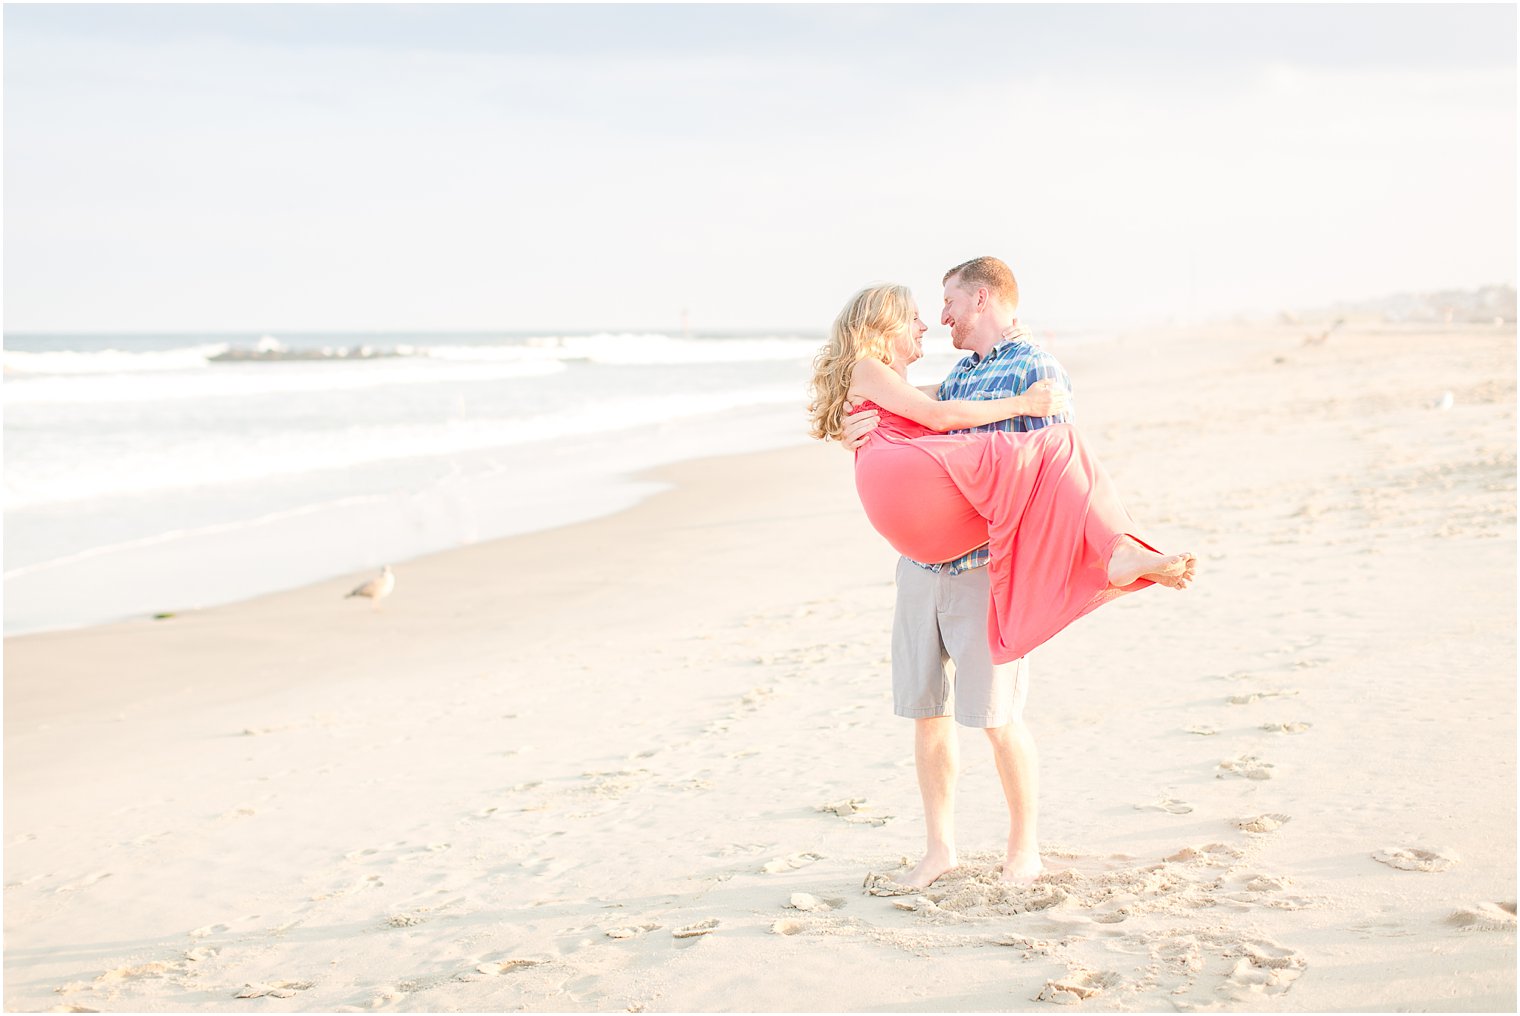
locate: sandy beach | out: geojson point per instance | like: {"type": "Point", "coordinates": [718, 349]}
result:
{"type": "Point", "coordinates": [645, 762]}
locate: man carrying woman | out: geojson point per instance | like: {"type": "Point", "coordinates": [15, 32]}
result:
{"type": "Point", "coordinates": [943, 612]}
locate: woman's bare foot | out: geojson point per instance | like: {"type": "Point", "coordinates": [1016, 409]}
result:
{"type": "Point", "coordinates": [1132, 562]}
{"type": "Point", "coordinates": [928, 871]}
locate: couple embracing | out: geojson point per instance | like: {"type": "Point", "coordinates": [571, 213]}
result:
{"type": "Point", "coordinates": [1008, 527]}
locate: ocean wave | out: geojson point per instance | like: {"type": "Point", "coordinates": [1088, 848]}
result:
{"type": "Point", "coordinates": [629, 349]}
{"type": "Point", "coordinates": [110, 361]}
{"type": "Point", "coordinates": [293, 377]}
{"type": "Point", "coordinates": [173, 535]}
{"type": "Point", "coordinates": [197, 460]}
{"type": "Point", "coordinates": [620, 348]}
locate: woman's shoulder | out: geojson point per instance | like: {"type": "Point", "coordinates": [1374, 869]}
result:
{"type": "Point", "coordinates": [869, 376]}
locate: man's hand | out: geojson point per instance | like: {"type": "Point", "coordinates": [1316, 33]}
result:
{"type": "Point", "coordinates": [1045, 398]}
{"type": "Point", "coordinates": [858, 427]}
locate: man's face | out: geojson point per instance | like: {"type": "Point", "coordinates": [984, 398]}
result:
{"type": "Point", "coordinates": [962, 310]}
{"type": "Point", "coordinates": [909, 346]}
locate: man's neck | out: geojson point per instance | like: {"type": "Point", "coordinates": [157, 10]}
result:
{"type": "Point", "coordinates": [997, 332]}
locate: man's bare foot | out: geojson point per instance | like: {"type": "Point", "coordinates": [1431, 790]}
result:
{"type": "Point", "coordinates": [928, 871]}
{"type": "Point", "coordinates": [1132, 562]}
{"type": "Point", "coordinates": [1022, 868]}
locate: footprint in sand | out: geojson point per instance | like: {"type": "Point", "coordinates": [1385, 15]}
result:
{"type": "Point", "coordinates": [1170, 805]}
{"type": "Point", "coordinates": [510, 966]}
{"type": "Point", "coordinates": [1384, 929]}
{"type": "Point", "coordinates": [81, 883]}
{"type": "Point", "coordinates": [1245, 969]}
{"type": "Point", "coordinates": [405, 920]}
{"type": "Point", "coordinates": [1485, 917]}
{"type": "Point", "coordinates": [877, 884]}
{"type": "Point", "coordinates": [1202, 729]}
{"type": "Point", "coordinates": [633, 931]}
{"type": "Point", "coordinates": [277, 989]}
{"type": "Point", "coordinates": [141, 971]}
{"type": "Point", "coordinates": [1247, 766]}
{"type": "Point", "coordinates": [696, 929]}
{"type": "Point", "coordinates": [809, 902]}
{"type": "Point", "coordinates": [790, 862]}
{"type": "Point", "coordinates": [1265, 968]}
{"type": "Point", "coordinates": [757, 697]}
{"type": "Point", "coordinates": [1415, 859]}
{"type": "Point", "coordinates": [1257, 696]}
{"type": "Point", "coordinates": [1219, 855]}
{"type": "Point", "coordinates": [1292, 727]}
{"type": "Point", "coordinates": [1262, 823]}
{"type": "Point", "coordinates": [854, 810]}
{"type": "Point", "coordinates": [1077, 986]}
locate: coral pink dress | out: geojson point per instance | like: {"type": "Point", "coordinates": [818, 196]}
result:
{"type": "Point", "coordinates": [1047, 508]}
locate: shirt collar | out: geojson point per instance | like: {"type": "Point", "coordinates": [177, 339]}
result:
{"type": "Point", "coordinates": [1012, 334]}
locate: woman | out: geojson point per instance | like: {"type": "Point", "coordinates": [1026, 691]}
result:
{"type": "Point", "coordinates": [1060, 538]}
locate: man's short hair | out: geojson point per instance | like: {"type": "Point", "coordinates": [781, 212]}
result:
{"type": "Point", "coordinates": [989, 274]}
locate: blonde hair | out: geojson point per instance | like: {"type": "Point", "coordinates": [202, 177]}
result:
{"type": "Point", "coordinates": [864, 330]}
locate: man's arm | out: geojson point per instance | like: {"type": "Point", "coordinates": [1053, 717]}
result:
{"type": "Point", "coordinates": [1044, 367]}
{"type": "Point", "coordinates": [857, 426]}
{"type": "Point", "coordinates": [885, 387]}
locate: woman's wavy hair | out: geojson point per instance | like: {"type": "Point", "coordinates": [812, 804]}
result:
{"type": "Point", "coordinates": [863, 330]}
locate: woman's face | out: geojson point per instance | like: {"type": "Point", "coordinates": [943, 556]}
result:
{"type": "Point", "coordinates": [909, 344]}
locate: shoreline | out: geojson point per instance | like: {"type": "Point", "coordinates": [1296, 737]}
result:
{"type": "Point", "coordinates": [432, 569]}
{"type": "Point", "coordinates": [262, 555]}
{"type": "Point", "coordinates": [549, 757]}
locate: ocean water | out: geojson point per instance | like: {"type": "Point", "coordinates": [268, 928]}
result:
{"type": "Point", "coordinates": [152, 474]}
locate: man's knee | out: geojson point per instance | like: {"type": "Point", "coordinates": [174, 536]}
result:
{"type": "Point", "coordinates": [933, 728]}
{"type": "Point", "coordinates": [1012, 732]}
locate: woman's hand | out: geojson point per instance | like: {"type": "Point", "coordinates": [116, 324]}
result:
{"type": "Point", "coordinates": [858, 426]}
{"type": "Point", "coordinates": [1045, 398]}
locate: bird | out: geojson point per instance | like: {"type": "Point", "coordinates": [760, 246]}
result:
{"type": "Point", "coordinates": [377, 588]}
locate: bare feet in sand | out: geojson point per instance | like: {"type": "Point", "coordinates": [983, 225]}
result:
{"type": "Point", "coordinates": [1132, 562]}
{"type": "Point", "coordinates": [1022, 868]}
{"type": "Point", "coordinates": [927, 871]}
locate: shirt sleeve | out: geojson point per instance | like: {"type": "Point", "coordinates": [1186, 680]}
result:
{"type": "Point", "coordinates": [1042, 367]}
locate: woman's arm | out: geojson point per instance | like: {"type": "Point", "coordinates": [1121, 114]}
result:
{"type": "Point", "coordinates": [882, 385]}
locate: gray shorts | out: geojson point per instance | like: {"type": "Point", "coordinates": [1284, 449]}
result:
{"type": "Point", "coordinates": [942, 617]}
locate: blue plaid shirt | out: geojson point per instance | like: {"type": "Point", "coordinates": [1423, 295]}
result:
{"type": "Point", "coordinates": [1008, 369]}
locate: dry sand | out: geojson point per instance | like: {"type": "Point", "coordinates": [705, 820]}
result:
{"type": "Point", "coordinates": [646, 762]}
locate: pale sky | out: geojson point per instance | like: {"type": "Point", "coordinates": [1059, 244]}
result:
{"type": "Point", "coordinates": [291, 167]}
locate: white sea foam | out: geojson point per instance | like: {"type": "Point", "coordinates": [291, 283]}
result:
{"type": "Point", "coordinates": [242, 380]}
{"type": "Point", "coordinates": [663, 350]}
{"type": "Point", "coordinates": [110, 361]}
{"type": "Point", "coordinates": [193, 459]}
{"type": "Point", "coordinates": [607, 347]}
{"type": "Point", "coordinates": [63, 377]}
{"type": "Point", "coordinates": [175, 535]}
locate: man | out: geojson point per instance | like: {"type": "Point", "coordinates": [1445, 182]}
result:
{"type": "Point", "coordinates": [942, 608]}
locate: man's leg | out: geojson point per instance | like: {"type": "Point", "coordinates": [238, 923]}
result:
{"type": "Point", "coordinates": [936, 752]}
{"type": "Point", "coordinates": [992, 696]}
{"type": "Point", "coordinates": [1018, 767]}
{"type": "Point", "coordinates": [921, 692]}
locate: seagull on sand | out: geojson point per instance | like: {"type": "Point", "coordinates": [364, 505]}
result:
{"type": "Point", "coordinates": [378, 588]}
